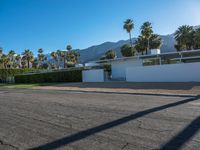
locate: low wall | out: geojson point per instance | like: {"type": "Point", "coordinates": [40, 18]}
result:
{"type": "Point", "coordinates": [118, 67]}
{"type": "Point", "coordinates": [184, 72]}
{"type": "Point", "coordinates": [93, 75]}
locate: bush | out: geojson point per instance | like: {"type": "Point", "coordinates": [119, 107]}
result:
{"type": "Point", "coordinates": [59, 76]}
{"type": "Point", "coordinates": [7, 73]}
{"type": "Point", "coordinates": [127, 50]}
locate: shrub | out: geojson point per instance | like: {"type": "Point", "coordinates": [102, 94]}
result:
{"type": "Point", "coordinates": [7, 73]}
{"type": "Point", "coordinates": [127, 50]}
{"type": "Point", "coordinates": [110, 54]}
{"type": "Point", "coordinates": [59, 76]}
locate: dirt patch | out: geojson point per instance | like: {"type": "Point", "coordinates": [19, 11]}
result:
{"type": "Point", "coordinates": [124, 87]}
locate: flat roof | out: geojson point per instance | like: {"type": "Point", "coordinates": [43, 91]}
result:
{"type": "Point", "coordinates": [181, 53]}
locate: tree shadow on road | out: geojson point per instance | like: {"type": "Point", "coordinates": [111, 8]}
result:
{"type": "Point", "coordinates": [182, 137]}
{"type": "Point", "coordinates": [86, 133]}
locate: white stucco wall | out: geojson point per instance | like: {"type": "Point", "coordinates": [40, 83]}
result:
{"type": "Point", "coordinates": [93, 75]}
{"type": "Point", "coordinates": [185, 72]}
{"type": "Point", "coordinates": [119, 67]}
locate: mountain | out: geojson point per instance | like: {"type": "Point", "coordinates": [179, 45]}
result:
{"type": "Point", "coordinates": [96, 52]}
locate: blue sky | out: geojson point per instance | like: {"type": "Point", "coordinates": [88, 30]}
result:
{"type": "Point", "coordinates": [52, 24]}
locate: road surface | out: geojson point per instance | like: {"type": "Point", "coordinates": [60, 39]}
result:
{"type": "Point", "coordinates": [47, 119]}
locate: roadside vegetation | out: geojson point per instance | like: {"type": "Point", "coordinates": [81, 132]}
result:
{"type": "Point", "coordinates": [58, 59]}
{"type": "Point", "coordinates": [51, 77]}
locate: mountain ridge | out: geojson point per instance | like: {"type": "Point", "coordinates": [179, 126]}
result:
{"type": "Point", "coordinates": [97, 51]}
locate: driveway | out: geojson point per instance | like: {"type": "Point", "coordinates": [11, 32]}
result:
{"type": "Point", "coordinates": [48, 119]}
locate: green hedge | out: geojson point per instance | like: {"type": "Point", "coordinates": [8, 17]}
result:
{"type": "Point", "coordinates": [6, 73]}
{"type": "Point", "coordinates": [59, 76]}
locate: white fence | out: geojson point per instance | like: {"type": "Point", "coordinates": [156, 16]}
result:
{"type": "Point", "coordinates": [93, 75]}
{"type": "Point", "coordinates": [184, 72]}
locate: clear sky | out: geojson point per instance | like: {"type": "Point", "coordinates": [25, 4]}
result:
{"type": "Point", "coordinates": [52, 24]}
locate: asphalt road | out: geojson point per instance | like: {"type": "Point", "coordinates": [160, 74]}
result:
{"type": "Point", "coordinates": [44, 119]}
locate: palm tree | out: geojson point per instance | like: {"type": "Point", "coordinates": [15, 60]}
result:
{"type": "Point", "coordinates": [18, 59]}
{"type": "Point", "coordinates": [54, 55]}
{"type": "Point", "coordinates": [155, 41]}
{"type": "Point", "coordinates": [141, 44]}
{"type": "Point", "coordinates": [69, 47]}
{"type": "Point", "coordinates": [73, 56]}
{"type": "Point", "coordinates": [146, 32]}
{"type": "Point", "coordinates": [41, 59]}
{"type": "Point", "coordinates": [28, 56]}
{"type": "Point", "coordinates": [35, 63]}
{"type": "Point", "coordinates": [11, 54]}
{"type": "Point", "coordinates": [5, 60]}
{"type": "Point", "coordinates": [59, 54]}
{"type": "Point", "coordinates": [63, 55]}
{"type": "Point", "coordinates": [40, 51]}
{"type": "Point", "coordinates": [128, 26]}
{"type": "Point", "coordinates": [66, 54]}
{"type": "Point", "coordinates": [184, 37]}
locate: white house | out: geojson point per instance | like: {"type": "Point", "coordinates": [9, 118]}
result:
{"type": "Point", "coordinates": [166, 67]}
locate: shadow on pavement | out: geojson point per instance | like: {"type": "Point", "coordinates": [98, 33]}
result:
{"type": "Point", "coordinates": [88, 132]}
{"type": "Point", "coordinates": [185, 135]}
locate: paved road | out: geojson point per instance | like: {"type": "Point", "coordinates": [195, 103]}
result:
{"type": "Point", "coordinates": [44, 119]}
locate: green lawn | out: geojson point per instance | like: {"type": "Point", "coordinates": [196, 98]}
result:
{"type": "Point", "coordinates": [25, 86]}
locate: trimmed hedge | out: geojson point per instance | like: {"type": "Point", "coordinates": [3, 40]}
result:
{"type": "Point", "coordinates": [7, 73]}
{"type": "Point", "coordinates": [60, 76]}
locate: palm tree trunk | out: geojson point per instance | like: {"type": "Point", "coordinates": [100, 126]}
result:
{"type": "Point", "coordinates": [147, 46]}
{"type": "Point", "coordinates": [130, 39]}
{"type": "Point", "coordinates": [64, 62]}
{"type": "Point", "coordinates": [28, 63]}
{"type": "Point", "coordinates": [58, 62]}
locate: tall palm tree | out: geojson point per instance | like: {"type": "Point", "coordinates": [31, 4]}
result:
{"type": "Point", "coordinates": [146, 32]}
{"type": "Point", "coordinates": [5, 59]}
{"type": "Point", "coordinates": [28, 56]}
{"type": "Point", "coordinates": [184, 37]}
{"type": "Point", "coordinates": [54, 55]}
{"type": "Point", "coordinates": [18, 59]}
{"type": "Point", "coordinates": [40, 57]}
{"type": "Point", "coordinates": [63, 55]}
{"type": "Point", "coordinates": [59, 54]}
{"type": "Point", "coordinates": [11, 54]}
{"type": "Point", "coordinates": [68, 55]}
{"type": "Point", "coordinates": [128, 26]}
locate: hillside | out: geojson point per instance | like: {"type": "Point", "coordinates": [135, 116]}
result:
{"type": "Point", "coordinates": [95, 52]}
